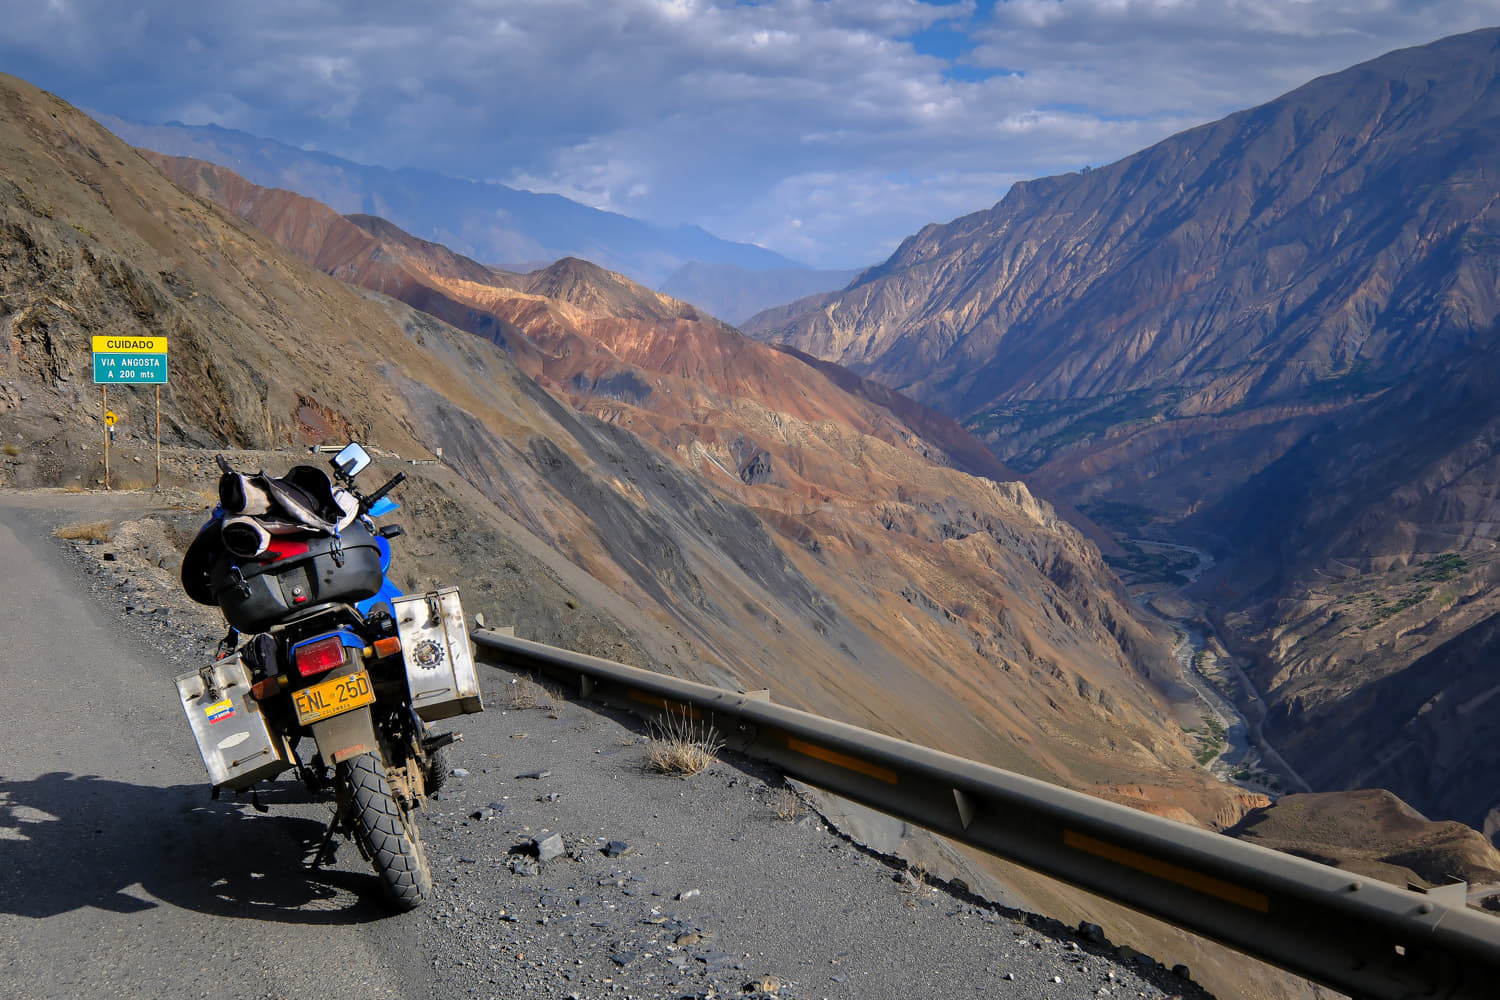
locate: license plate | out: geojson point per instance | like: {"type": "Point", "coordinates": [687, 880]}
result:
{"type": "Point", "coordinates": [334, 696]}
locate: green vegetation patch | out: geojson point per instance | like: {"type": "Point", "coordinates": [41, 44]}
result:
{"type": "Point", "coordinates": [1354, 380]}
{"type": "Point", "coordinates": [1441, 569]}
{"type": "Point", "coordinates": [1121, 518]}
{"type": "Point", "coordinates": [1163, 566]}
{"type": "Point", "coordinates": [1211, 738]}
{"type": "Point", "coordinates": [1383, 608]}
{"type": "Point", "coordinates": [1074, 419]}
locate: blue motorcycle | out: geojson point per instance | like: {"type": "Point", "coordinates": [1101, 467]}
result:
{"type": "Point", "coordinates": [322, 645]}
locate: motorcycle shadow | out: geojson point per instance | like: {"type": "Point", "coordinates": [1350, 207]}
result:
{"type": "Point", "coordinates": [73, 841]}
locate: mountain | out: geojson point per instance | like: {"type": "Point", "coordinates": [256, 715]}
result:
{"type": "Point", "coordinates": [500, 225]}
{"type": "Point", "coordinates": [1273, 336]}
{"type": "Point", "coordinates": [754, 525]}
{"type": "Point", "coordinates": [735, 293]}
{"type": "Point", "coordinates": [621, 475]}
{"type": "Point", "coordinates": [908, 567]}
{"type": "Point", "coordinates": [1206, 300]}
{"type": "Point", "coordinates": [1365, 586]}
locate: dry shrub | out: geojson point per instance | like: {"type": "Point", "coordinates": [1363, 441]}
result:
{"type": "Point", "coordinates": [680, 745]}
{"type": "Point", "coordinates": [86, 531]}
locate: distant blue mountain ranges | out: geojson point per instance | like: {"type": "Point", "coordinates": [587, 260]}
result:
{"type": "Point", "coordinates": [497, 225]}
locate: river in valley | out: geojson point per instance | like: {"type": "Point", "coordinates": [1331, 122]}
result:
{"type": "Point", "coordinates": [1232, 746]}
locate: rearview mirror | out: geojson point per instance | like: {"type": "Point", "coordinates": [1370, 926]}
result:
{"type": "Point", "coordinates": [351, 461]}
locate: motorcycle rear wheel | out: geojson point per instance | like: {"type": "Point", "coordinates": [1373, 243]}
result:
{"type": "Point", "coordinates": [387, 834]}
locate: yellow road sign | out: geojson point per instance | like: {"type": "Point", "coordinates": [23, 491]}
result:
{"type": "Point", "coordinates": [109, 418]}
{"type": "Point", "coordinates": [130, 345]}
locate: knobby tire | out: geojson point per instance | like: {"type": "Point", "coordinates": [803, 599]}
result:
{"type": "Point", "coordinates": [387, 835]}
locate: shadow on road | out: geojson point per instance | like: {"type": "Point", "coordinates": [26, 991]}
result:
{"type": "Point", "coordinates": [71, 841]}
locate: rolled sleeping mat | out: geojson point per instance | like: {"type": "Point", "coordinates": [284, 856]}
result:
{"type": "Point", "coordinates": [244, 536]}
{"type": "Point", "coordinates": [348, 505]}
{"type": "Point", "coordinates": [242, 494]}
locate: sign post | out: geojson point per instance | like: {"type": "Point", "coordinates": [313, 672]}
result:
{"type": "Point", "coordinates": [129, 361]}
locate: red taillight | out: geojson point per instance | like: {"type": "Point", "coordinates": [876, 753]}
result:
{"type": "Point", "coordinates": [280, 548]}
{"type": "Point", "coordinates": [320, 656]}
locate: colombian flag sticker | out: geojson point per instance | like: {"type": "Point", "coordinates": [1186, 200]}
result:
{"type": "Point", "coordinates": [219, 711]}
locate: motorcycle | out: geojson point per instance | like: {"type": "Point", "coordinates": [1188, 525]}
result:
{"type": "Point", "coordinates": [322, 645]}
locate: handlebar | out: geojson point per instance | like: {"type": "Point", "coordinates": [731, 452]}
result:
{"type": "Point", "coordinates": [394, 481]}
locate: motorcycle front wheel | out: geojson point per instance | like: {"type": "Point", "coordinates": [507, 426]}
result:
{"type": "Point", "coordinates": [387, 833]}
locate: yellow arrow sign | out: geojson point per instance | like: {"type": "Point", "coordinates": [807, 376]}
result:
{"type": "Point", "coordinates": [109, 418]}
{"type": "Point", "coordinates": [130, 345]}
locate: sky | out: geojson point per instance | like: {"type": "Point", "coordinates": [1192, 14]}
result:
{"type": "Point", "coordinates": [827, 130]}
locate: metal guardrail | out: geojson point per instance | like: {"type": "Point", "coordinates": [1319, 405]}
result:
{"type": "Point", "coordinates": [1363, 937]}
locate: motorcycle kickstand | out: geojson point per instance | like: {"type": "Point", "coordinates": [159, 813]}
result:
{"type": "Point", "coordinates": [327, 849]}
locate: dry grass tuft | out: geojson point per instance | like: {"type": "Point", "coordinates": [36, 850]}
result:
{"type": "Point", "coordinates": [526, 693]}
{"type": "Point", "coordinates": [913, 880]}
{"type": "Point", "coordinates": [11, 449]}
{"type": "Point", "coordinates": [680, 745]}
{"type": "Point", "coordinates": [786, 805]}
{"type": "Point", "coordinates": [74, 488]}
{"type": "Point", "coordinates": [86, 531]}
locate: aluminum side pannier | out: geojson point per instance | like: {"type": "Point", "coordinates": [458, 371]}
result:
{"type": "Point", "coordinates": [238, 747]}
{"type": "Point", "coordinates": [439, 659]}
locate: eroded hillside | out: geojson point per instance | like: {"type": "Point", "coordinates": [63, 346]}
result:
{"type": "Point", "coordinates": [1153, 331]}
{"type": "Point", "coordinates": [761, 527]}
{"type": "Point", "coordinates": [1273, 337]}
{"type": "Point", "coordinates": [917, 583]}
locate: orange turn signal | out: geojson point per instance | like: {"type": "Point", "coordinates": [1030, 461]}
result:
{"type": "Point", "coordinates": [261, 690]}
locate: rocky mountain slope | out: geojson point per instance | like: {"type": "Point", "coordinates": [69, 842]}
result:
{"type": "Point", "coordinates": [796, 538]}
{"type": "Point", "coordinates": [907, 570]}
{"type": "Point", "coordinates": [1374, 833]}
{"type": "Point", "coordinates": [854, 568]}
{"type": "Point", "coordinates": [501, 225]}
{"type": "Point", "coordinates": [1156, 329]}
{"type": "Point", "coordinates": [1372, 612]}
{"type": "Point", "coordinates": [1272, 336]}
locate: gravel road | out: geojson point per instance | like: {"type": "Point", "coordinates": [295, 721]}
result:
{"type": "Point", "coordinates": [121, 876]}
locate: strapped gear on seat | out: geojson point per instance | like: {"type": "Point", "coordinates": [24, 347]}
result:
{"type": "Point", "coordinates": [304, 498]}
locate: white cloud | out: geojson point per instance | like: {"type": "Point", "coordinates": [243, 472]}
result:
{"type": "Point", "coordinates": [817, 127]}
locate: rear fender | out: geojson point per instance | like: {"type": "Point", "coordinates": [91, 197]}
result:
{"type": "Point", "coordinates": [347, 735]}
